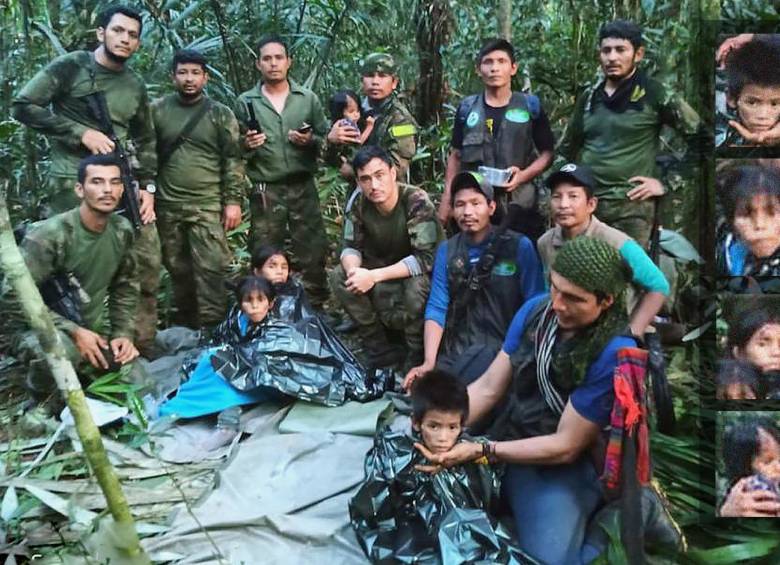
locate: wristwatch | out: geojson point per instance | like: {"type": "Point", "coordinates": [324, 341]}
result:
{"type": "Point", "coordinates": [150, 188]}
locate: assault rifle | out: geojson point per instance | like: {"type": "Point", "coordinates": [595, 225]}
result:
{"type": "Point", "coordinates": [129, 207]}
{"type": "Point", "coordinates": [63, 294]}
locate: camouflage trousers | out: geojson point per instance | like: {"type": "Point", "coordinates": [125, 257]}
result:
{"type": "Point", "coordinates": [291, 209]}
{"type": "Point", "coordinates": [61, 197]}
{"type": "Point", "coordinates": [196, 254]}
{"type": "Point", "coordinates": [397, 305]}
{"type": "Point", "coordinates": [634, 218]}
{"type": "Point", "coordinates": [29, 351]}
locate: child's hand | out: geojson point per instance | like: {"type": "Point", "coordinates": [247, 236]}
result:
{"type": "Point", "coordinates": [342, 133]}
{"type": "Point", "coordinates": [369, 127]}
{"type": "Point", "coordinates": [769, 137]}
{"type": "Point", "coordinates": [753, 504]}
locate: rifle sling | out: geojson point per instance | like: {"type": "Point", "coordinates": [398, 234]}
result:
{"type": "Point", "coordinates": [164, 153]}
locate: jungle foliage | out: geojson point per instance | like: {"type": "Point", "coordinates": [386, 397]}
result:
{"type": "Point", "coordinates": [434, 42]}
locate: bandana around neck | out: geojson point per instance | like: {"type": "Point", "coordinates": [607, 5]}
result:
{"type": "Point", "coordinates": [629, 94]}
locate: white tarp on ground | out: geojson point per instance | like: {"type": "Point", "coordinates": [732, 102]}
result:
{"type": "Point", "coordinates": [283, 497]}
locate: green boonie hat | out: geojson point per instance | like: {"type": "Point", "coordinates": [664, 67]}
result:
{"type": "Point", "coordinates": [378, 63]}
{"type": "Point", "coordinates": [592, 264]}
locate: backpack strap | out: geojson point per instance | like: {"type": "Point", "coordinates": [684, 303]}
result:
{"type": "Point", "coordinates": [164, 153]}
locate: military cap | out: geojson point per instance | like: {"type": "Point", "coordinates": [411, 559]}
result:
{"type": "Point", "coordinates": [469, 179]}
{"type": "Point", "coordinates": [378, 63]}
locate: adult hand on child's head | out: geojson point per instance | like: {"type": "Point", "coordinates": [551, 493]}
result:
{"type": "Point", "coordinates": [749, 503]}
{"type": "Point", "coordinates": [414, 373]}
{"type": "Point", "coordinates": [768, 137]}
{"type": "Point", "coordinates": [460, 453]}
{"type": "Point", "coordinates": [729, 45]}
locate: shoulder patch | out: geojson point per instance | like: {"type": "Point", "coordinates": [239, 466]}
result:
{"type": "Point", "coordinates": [403, 130]}
{"type": "Point", "coordinates": [505, 269]}
{"type": "Point", "coordinates": [638, 93]}
{"type": "Point", "coordinates": [518, 116]}
{"type": "Point", "coordinates": [472, 120]}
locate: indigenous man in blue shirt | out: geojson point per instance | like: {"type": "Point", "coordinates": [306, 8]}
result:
{"type": "Point", "coordinates": [555, 376]}
{"type": "Point", "coordinates": [481, 276]}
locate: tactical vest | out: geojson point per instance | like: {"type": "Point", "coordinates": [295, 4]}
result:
{"type": "Point", "coordinates": [488, 314]}
{"type": "Point", "coordinates": [525, 412]}
{"type": "Point", "coordinates": [512, 145]}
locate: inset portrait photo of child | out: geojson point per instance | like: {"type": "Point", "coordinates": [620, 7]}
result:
{"type": "Point", "coordinates": [747, 93]}
{"type": "Point", "coordinates": [748, 226]}
{"type": "Point", "coordinates": [748, 467]}
{"type": "Point", "coordinates": [749, 337]}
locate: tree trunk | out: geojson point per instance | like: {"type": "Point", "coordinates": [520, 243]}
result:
{"type": "Point", "coordinates": [39, 319]}
{"type": "Point", "coordinates": [434, 25]}
{"type": "Point", "coordinates": [504, 18]}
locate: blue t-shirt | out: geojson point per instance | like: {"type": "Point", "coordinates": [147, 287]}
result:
{"type": "Point", "coordinates": [593, 399]}
{"type": "Point", "coordinates": [531, 276]}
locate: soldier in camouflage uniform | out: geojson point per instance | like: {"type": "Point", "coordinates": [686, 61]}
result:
{"type": "Point", "coordinates": [281, 160]}
{"type": "Point", "coordinates": [94, 245]}
{"type": "Point", "coordinates": [390, 235]}
{"type": "Point", "coordinates": [615, 131]}
{"type": "Point", "coordinates": [201, 188]}
{"type": "Point", "coordinates": [74, 132]}
{"type": "Point", "coordinates": [394, 129]}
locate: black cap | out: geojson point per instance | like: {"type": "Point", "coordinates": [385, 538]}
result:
{"type": "Point", "coordinates": [579, 175]}
{"type": "Point", "coordinates": [470, 179]}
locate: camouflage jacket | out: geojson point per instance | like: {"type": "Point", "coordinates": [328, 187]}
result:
{"type": "Point", "coordinates": [206, 168]}
{"type": "Point", "coordinates": [410, 233]}
{"type": "Point", "coordinates": [54, 103]}
{"type": "Point", "coordinates": [618, 146]}
{"type": "Point", "coordinates": [395, 130]}
{"type": "Point", "coordinates": [103, 263]}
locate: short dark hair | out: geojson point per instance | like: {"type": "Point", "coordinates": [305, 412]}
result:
{"type": "Point", "coordinates": [272, 38]}
{"type": "Point", "coordinates": [264, 252]}
{"type": "Point", "coordinates": [338, 102]}
{"type": "Point", "coordinates": [622, 29]}
{"type": "Point", "coordinates": [752, 314]}
{"type": "Point", "coordinates": [252, 283]}
{"type": "Point", "coordinates": [369, 152]}
{"type": "Point", "coordinates": [738, 185]}
{"type": "Point", "coordinates": [742, 444]}
{"type": "Point", "coordinates": [104, 18]}
{"type": "Point", "coordinates": [755, 62]}
{"type": "Point", "coordinates": [183, 56]}
{"type": "Point", "coordinates": [98, 161]}
{"type": "Point", "coordinates": [439, 390]}
{"type": "Point", "coordinates": [496, 44]}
